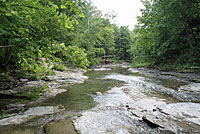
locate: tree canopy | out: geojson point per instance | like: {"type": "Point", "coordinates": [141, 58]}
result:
{"type": "Point", "coordinates": [168, 33]}
{"type": "Point", "coordinates": [74, 31]}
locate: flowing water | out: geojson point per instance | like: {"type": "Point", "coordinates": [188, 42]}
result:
{"type": "Point", "coordinates": [115, 101]}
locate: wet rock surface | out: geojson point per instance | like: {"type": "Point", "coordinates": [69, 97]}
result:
{"type": "Point", "coordinates": [133, 108]}
{"type": "Point", "coordinates": [73, 76]}
{"type": "Point", "coordinates": [146, 102]}
{"type": "Point", "coordinates": [177, 76]}
{"type": "Point", "coordinates": [193, 87]}
{"type": "Point", "coordinates": [118, 113]}
{"type": "Point", "coordinates": [40, 115]}
{"type": "Point", "coordinates": [102, 69]}
{"type": "Point", "coordinates": [29, 114]}
{"type": "Point", "coordinates": [52, 88]}
{"type": "Point", "coordinates": [111, 116]}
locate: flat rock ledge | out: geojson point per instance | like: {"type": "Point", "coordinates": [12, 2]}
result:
{"type": "Point", "coordinates": [58, 81]}
{"type": "Point", "coordinates": [30, 114]}
{"type": "Point", "coordinates": [56, 85]}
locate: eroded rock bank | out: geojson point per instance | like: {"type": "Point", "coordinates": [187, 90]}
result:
{"type": "Point", "coordinates": [30, 114]}
{"type": "Point", "coordinates": [60, 80]}
{"type": "Point", "coordinates": [148, 103]}
{"type": "Point", "coordinates": [186, 77]}
{"type": "Point", "coordinates": [126, 102]}
{"type": "Point", "coordinates": [55, 85]}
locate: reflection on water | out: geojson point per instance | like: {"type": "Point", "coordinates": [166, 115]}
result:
{"type": "Point", "coordinates": [78, 97]}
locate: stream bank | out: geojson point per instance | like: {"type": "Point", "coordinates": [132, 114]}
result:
{"type": "Point", "coordinates": [30, 93]}
{"type": "Point", "coordinates": [149, 103]}
{"type": "Point", "coordinates": [120, 101]}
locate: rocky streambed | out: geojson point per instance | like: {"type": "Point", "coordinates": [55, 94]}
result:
{"type": "Point", "coordinates": [115, 100]}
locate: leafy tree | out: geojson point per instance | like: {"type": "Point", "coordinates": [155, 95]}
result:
{"type": "Point", "coordinates": [168, 33]}
{"type": "Point", "coordinates": [122, 43]}
{"type": "Point", "coordinates": [31, 30]}
{"type": "Point", "coordinates": [94, 33]}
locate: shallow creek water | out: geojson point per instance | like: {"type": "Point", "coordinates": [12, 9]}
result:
{"type": "Point", "coordinates": [114, 101]}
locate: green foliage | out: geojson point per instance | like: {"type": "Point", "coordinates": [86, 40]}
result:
{"type": "Point", "coordinates": [36, 61]}
{"type": "Point", "coordinates": [45, 86]}
{"type": "Point", "coordinates": [137, 65]}
{"type": "Point", "coordinates": [168, 33]}
{"type": "Point", "coordinates": [3, 114]}
{"type": "Point", "coordinates": [59, 67]}
{"type": "Point", "coordinates": [77, 56]}
{"type": "Point", "coordinates": [95, 34]}
{"type": "Point", "coordinates": [122, 43]}
{"type": "Point", "coordinates": [30, 94]}
{"type": "Point", "coordinates": [32, 30]}
{"type": "Point", "coordinates": [94, 55]}
{"type": "Point", "coordinates": [30, 61]}
{"type": "Point", "coordinates": [39, 34]}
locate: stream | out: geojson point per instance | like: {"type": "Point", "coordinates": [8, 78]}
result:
{"type": "Point", "coordinates": [114, 100]}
